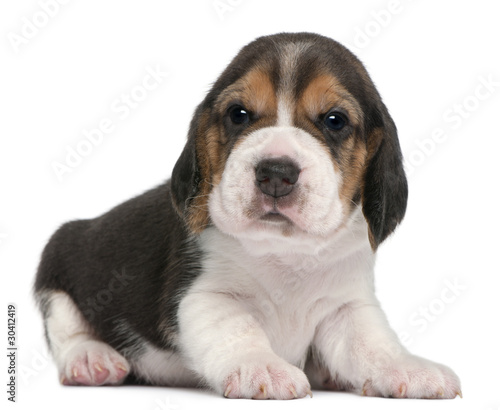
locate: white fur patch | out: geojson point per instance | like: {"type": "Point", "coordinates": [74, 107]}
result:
{"type": "Point", "coordinates": [79, 356]}
{"type": "Point", "coordinates": [289, 58]}
{"type": "Point", "coordinates": [285, 111]}
{"type": "Point", "coordinates": [162, 367]}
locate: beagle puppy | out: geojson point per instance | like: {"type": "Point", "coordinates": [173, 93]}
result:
{"type": "Point", "coordinates": [250, 271]}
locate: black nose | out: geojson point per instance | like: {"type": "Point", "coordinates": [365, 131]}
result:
{"type": "Point", "coordinates": [276, 176]}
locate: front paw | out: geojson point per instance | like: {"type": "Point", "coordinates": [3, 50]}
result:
{"type": "Point", "coordinates": [266, 376]}
{"type": "Point", "coordinates": [413, 377]}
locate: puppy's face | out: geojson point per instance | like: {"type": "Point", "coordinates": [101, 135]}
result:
{"type": "Point", "coordinates": [292, 138]}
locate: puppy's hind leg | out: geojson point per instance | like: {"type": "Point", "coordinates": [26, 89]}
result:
{"type": "Point", "coordinates": [81, 358]}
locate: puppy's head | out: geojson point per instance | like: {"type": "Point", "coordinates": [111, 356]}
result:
{"type": "Point", "coordinates": [291, 140]}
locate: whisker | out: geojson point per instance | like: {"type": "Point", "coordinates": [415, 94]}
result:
{"type": "Point", "coordinates": [350, 200]}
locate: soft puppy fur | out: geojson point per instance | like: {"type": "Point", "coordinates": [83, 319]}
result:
{"type": "Point", "coordinates": [250, 271]}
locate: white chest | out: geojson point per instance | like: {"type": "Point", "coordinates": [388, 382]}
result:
{"type": "Point", "coordinates": [288, 295]}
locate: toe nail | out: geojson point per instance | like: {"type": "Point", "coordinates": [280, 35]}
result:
{"type": "Point", "coordinates": [402, 390]}
{"type": "Point", "coordinates": [294, 392]}
{"type": "Point", "coordinates": [440, 392]}
{"type": "Point", "coordinates": [459, 393]}
{"type": "Point", "coordinates": [75, 373]}
{"type": "Point", "coordinates": [99, 368]}
{"type": "Point", "coordinates": [263, 390]}
{"type": "Point", "coordinates": [310, 393]}
{"type": "Point", "coordinates": [365, 386]}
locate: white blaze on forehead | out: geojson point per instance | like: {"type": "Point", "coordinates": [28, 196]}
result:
{"type": "Point", "coordinates": [285, 111]}
{"type": "Point", "coordinates": [289, 58]}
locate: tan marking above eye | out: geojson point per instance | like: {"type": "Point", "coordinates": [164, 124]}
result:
{"type": "Point", "coordinates": [254, 90]}
{"type": "Point", "coordinates": [324, 93]}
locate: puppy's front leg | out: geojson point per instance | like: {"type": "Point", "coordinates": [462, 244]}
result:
{"type": "Point", "coordinates": [226, 345]}
{"type": "Point", "coordinates": [358, 346]}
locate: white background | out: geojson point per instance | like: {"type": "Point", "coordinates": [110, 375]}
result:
{"type": "Point", "coordinates": [428, 60]}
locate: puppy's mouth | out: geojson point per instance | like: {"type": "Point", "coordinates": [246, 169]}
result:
{"type": "Point", "coordinates": [275, 212]}
{"type": "Point", "coordinates": [275, 217]}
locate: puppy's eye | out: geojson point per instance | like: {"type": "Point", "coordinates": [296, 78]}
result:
{"type": "Point", "coordinates": [335, 121]}
{"type": "Point", "coordinates": [239, 115]}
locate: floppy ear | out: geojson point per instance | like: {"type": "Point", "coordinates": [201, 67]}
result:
{"type": "Point", "coordinates": [385, 189]}
{"type": "Point", "coordinates": [186, 182]}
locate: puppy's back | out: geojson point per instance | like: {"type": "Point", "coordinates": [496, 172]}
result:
{"type": "Point", "coordinates": [117, 268]}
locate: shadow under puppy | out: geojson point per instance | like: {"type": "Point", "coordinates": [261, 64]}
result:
{"type": "Point", "coordinates": [253, 265]}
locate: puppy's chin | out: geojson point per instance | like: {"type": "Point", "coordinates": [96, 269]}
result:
{"type": "Point", "coordinates": [277, 230]}
{"type": "Point", "coordinates": [276, 218]}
